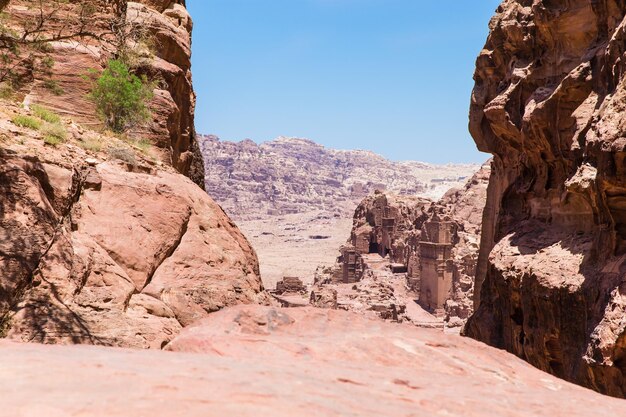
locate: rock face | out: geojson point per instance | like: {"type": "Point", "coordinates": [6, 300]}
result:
{"type": "Point", "coordinates": [290, 175]}
{"type": "Point", "coordinates": [103, 245]}
{"type": "Point", "coordinates": [314, 362]}
{"type": "Point", "coordinates": [549, 105]}
{"type": "Point", "coordinates": [105, 252]}
{"type": "Point", "coordinates": [167, 24]}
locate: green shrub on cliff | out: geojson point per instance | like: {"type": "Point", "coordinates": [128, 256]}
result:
{"type": "Point", "coordinates": [26, 121]}
{"type": "Point", "coordinates": [54, 134]}
{"type": "Point", "coordinates": [120, 97]}
{"type": "Point", "coordinates": [45, 114]}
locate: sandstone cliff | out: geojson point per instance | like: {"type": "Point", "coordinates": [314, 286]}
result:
{"type": "Point", "coordinates": [549, 105]}
{"type": "Point", "coordinates": [290, 175]}
{"type": "Point", "coordinates": [106, 246]}
{"type": "Point", "coordinates": [103, 241]}
{"type": "Point", "coordinates": [168, 26]}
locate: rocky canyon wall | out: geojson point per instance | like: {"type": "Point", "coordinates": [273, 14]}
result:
{"type": "Point", "coordinates": [98, 250]}
{"type": "Point", "coordinates": [102, 241]}
{"type": "Point", "coordinates": [549, 105]}
{"type": "Point", "coordinates": [165, 58]}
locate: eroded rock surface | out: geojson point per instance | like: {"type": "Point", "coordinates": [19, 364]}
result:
{"type": "Point", "coordinates": [549, 105]}
{"type": "Point", "coordinates": [271, 362]}
{"type": "Point", "coordinates": [167, 25]}
{"type": "Point", "coordinates": [105, 252]}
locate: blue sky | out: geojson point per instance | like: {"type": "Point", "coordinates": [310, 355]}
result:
{"type": "Point", "coordinates": [390, 76]}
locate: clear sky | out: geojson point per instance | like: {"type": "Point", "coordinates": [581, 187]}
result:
{"type": "Point", "coordinates": [390, 76]}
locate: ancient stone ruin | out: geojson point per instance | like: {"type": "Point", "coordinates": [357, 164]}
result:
{"type": "Point", "coordinates": [407, 249]}
{"type": "Point", "coordinates": [291, 285]}
{"type": "Point", "coordinates": [390, 225]}
{"type": "Point", "coordinates": [436, 267]}
{"type": "Point", "coordinates": [352, 265]}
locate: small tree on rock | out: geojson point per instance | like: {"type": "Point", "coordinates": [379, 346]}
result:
{"type": "Point", "coordinates": [121, 97]}
{"type": "Point", "coordinates": [25, 41]}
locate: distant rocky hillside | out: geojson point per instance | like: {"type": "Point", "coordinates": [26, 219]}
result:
{"type": "Point", "coordinates": [290, 175]}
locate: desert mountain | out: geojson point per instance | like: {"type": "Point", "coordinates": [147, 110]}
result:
{"type": "Point", "coordinates": [294, 199]}
{"type": "Point", "coordinates": [292, 175]}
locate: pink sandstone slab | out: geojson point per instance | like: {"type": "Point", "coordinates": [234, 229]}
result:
{"type": "Point", "coordinates": [261, 361]}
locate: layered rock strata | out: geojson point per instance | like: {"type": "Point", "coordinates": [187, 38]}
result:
{"type": "Point", "coordinates": [291, 175]}
{"type": "Point", "coordinates": [549, 105]}
{"type": "Point", "coordinates": [165, 56]}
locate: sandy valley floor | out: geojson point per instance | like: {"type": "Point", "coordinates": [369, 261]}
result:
{"type": "Point", "coordinates": [295, 244]}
